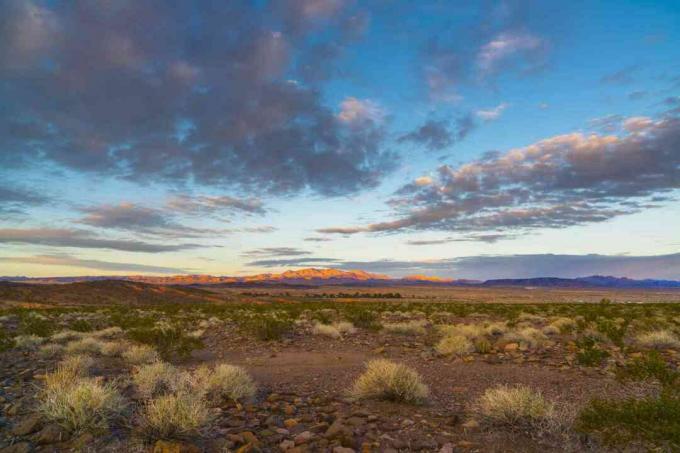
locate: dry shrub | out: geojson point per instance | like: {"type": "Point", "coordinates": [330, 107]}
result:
{"type": "Point", "coordinates": [28, 342]}
{"type": "Point", "coordinates": [518, 406]}
{"type": "Point", "coordinates": [658, 339]}
{"type": "Point", "coordinates": [174, 415]}
{"type": "Point", "coordinates": [140, 354]}
{"type": "Point", "coordinates": [224, 381]}
{"type": "Point", "coordinates": [87, 345]}
{"type": "Point", "coordinates": [50, 350]}
{"type": "Point", "coordinates": [496, 329]}
{"type": "Point", "coordinates": [529, 337]}
{"type": "Point", "coordinates": [113, 348]}
{"type": "Point", "coordinates": [550, 330]}
{"type": "Point", "coordinates": [469, 331]}
{"type": "Point", "coordinates": [454, 345]}
{"type": "Point", "coordinates": [78, 403]}
{"type": "Point", "coordinates": [386, 380]}
{"type": "Point", "coordinates": [155, 379]}
{"type": "Point", "coordinates": [66, 336]}
{"type": "Point", "coordinates": [326, 330]}
{"type": "Point", "coordinates": [345, 328]}
{"type": "Point", "coordinates": [565, 325]}
{"type": "Point", "coordinates": [406, 328]}
{"type": "Point", "coordinates": [108, 333]}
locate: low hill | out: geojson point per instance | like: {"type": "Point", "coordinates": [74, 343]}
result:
{"type": "Point", "coordinates": [104, 292]}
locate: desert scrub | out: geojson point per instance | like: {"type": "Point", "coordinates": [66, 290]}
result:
{"type": "Point", "coordinates": [224, 381]}
{"type": "Point", "coordinates": [651, 421]}
{"type": "Point", "coordinates": [140, 354]}
{"type": "Point", "coordinates": [469, 331]}
{"type": "Point", "coordinates": [50, 350]}
{"type": "Point", "coordinates": [35, 324]}
{"type": "Point", "coordinates": [650, 366]}
{"type": "Point", "coordinates": [87, 345]}
{"type": "Point", "coordinates": [454, 345]}
{"type": "Point", "coordinates": [155, 379]}
{"type": "Point", "coordinates": [326, 330]}
{"type": "Point", "coordinates": [78, 403]}
{"type": "Point", "coordinates": [658, 339]}
{"type": "Point", "coordinates": [168, 340]}
{"type": "Point", "coordinates": [113, 348]}
{"type": "Point", "coordinates": [386, 380]}
{"type": "Point", "coordinates": [518, 406]}
{"type": "Point", "coordinates": [363, 318]}
{"type": "Point", "coordinates": [6, 342]}
{"type": "Point", "coordinates": [405, 328]}
{"type": "Point", "coordinates": [345, 328]}
{"type": "Point", "coordinates": [589, 353]}
{"type": "Point", "coordinates": [269, 328]}
{"type": "Point", "coordinates": [28, 342]}
{"type": "Point", "coordinates": [67, 335]}
{"type": "Point", "coordinates": [528, 337]}
{"type": "Point", "coordinates": [174, 415]}
{"type": "Point", "coordinates": [564, 325]}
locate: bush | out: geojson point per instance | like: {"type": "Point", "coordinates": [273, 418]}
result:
{"type": "Point", "coordinates": [50, 350]}
{"type": "Point", "coordinates": [652, 420]}
{"type": "Point", "coordinates": [454, 345]}
{"type": "Point", "coordinates": [269, 328]}
{"type": "Point", "coordinates": [659, 339]}
{"type": "Point", "coordinates": [363, 318]}
{"type": "Point", "coordinates": [113, 348]}
{"type": "Point", "coordinates": [405, 328]}
{"type": "Point", "coordinates": [385, 380]}
{"type": "Point", "coordinates": [6, 342]}
{"type": "Point", "coordinates": [345, 328]}
{"type": "Point", "coordinates": [29, 342]}
{"type": "Point", "coordinates": [174, 415]}
{"type": "Point", "coordinates": [517, 406]}
{"type": "Point", "coordinates": [564, 325]}
{"type": "Point", "coordinates": [78, 403]}
{"type": "Point", "coordinates": [469, 331]}
{"type": "Point", "coordinates": [86, 345]}
{"type": "Point", "coordinates": [483, 346]}
{"type": "Point", "coordinates": [224, 381]}
{"type": "Point", "coordinates": [326, 330]}
{"type": "Point", "coordinates": [650, 366]}
{"type": "Point", "coordinates": [590, 354]}
{"type": "Point", "coordinates": [66, 335]}
{"type": "Point", "coordinates": [140, 354]}
{"type": "Point", "coordinates": [155, 379]}
{"type": "Point", "coordinates": [36, 324]}
{"type": "Point", "coordinates": [169, 341]}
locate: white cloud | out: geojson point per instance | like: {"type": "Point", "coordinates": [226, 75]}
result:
{"type": "Point", "coordinates": [493, 113]}
{"type": "Point", "coordinates": [353, 110]}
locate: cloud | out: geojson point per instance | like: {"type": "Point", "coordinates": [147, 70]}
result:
{"type": "Point", "coordinates": [142, 220]}
{"type": "Point", "coordinates": [492, 114]}
{"type": "Point", "coordinates": [623, 76]}
{"type": "Point", "coordinates": [293, 262]}
{"type": "Point", "coordinates": [517, 48]}
{"type": "Point", "coordinates": [196, 92]}
{"type": "Point", "coordinates": [317, 239]}
{"type": "Point", "coordinates": [488, 238]}
{"type": "Point", "coordinates": [275, 251]}
{"type": "Point", "coordinates": [53, 237]}
{"type": "Point", "coordinates": [259, 229]}
{"type": "Point", "coordinates": [360, 111]}
{"type": "Point", "coordinates": [71, 261]}
{"type": "Point", "coordinates": [607, 124]}
{"type": "Point", "coordinates": [202, 205]}
{"type": "Point", "coordinates": [13, 198]}
{"type": "Point", "coordinates": [528, 266]}
{"type": "Point", "coordinates": [560, 181]}
{"type": "Point", "coordinates": [440, 134]}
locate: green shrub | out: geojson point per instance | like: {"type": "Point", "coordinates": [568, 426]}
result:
{"type": "Point", "coordinates": [36, 325]}
{"type": "Point", "coordinates": [80, 325]}
{"type": "Point", "coordinates": [269, 328]}
{"type": "Point", "coordinates": [169, 341]}
{"type": "Point", "coordinates": [590, 354]}
{"type": "Point", "coordinates": [655, 421]}
{"type": "Point", "coordinates": [649, 366]}
{"type": "Point", "coordinates": [6, 342]}
{"type": "Point", "coordinates": [363, 318]}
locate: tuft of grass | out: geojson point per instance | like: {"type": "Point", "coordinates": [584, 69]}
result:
{"type": "Point", "coordinates": [168, 340]}
{"type": "Point", "coordinates": [454, 345]}
{"type": "Point", "coordinates": [326, 330]}
{"type": "Point", "coordinates": [50, 350]}
{"type": "Point", "coordinates": [28, 342]}
{"type": "Point", "coordinates": [6, 342]}
{"type": "Point", "coordinates": [140, 354]}
{"type": "Point", "coordinates": [658, 339]}
{"type": "Point", "coordinates": [518, 406]}
{"type": "Point", "coordinates": [269, 328]}
{"type": "Point", "coordinates": [224, 381]}
{"type": "Point", "coordinates": [469, 331]}
{"type": "Point", "coordinates": [174, 415]}
{"type": "Point", "coordinates": [482, 346]}
{"type": "Point", "coordinates": [654, 421]}
{"type": "Point", "coordinates": [405, 328]}
{"type": "Point", "coordinates": [155, 379]}
{"type": "Point", "coordinates": [87, 345]}
{"type": "Point", "coordinates": [113, 348]}
{"type": "Point", "coordinates": [564, 325]}
{"type": "Point", "coordinates": [67, 335]}
{"type": "Point", "coordinates": [386, 380]}
{"type": "Point", "coordinates": [363, 318]}
{"type": "Point", "coordinates": [345, 328]}
{"type": "Point", "coordinates": [78, 403]}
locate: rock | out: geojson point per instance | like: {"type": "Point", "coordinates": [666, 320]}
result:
{"type": "Point", "coordinates": [21, 447]}
{"type": "Point", "coordinates": [339, 431]}
{"type": "Point", "coordinates": [290, 422]}
{"type": "Point", "coordinates": [511, 347]}
{"type": "Point", "coordinates": [446, 448]}
{"type": "Point", "coordinates": [304, 437]}
{"type": "Point", "coordinates": [250, 438]}
{"type": "Point", "coordinates": [471, 424]}
{"type": "Point", "coordinates": [343, 450]}
{"type": "Point", "coordinates": [50, 434]}
{"type": "Point", "coordinates": [163, 446]}
{"type": "Point", "coordinates": [286, 445]}
{"type": "Point", "coordinates": [27, 425]}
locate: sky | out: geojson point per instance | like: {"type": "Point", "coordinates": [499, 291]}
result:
{"type": "Point", "coordinates": [463, 139]}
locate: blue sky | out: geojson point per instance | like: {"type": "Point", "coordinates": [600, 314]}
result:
{"type": "Point", "coordinates": [399, 137]}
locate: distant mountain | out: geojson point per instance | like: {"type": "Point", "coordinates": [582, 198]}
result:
{"type": "Point", "coordinates": [324, 277]}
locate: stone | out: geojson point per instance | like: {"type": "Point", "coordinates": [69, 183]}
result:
{"type": "Point", "coordinates": [28, 425]}
{"type": "Point", "coordinates": [511, 347]}
{"type": "Point", "coordinates": [304, 437]}
{"type": "Point", "coordinates": [290, 422]}
{"type": "Point", "coordinates": [163, 446]}
{"type": "Point", "coordinates": [250, 438]}
{"type": "Point", "coordinates": [50, 434]}
{"type": "Point", "coordinates": [343, 450]}
{"type": "Point", "coordinates": [446, 448]}
{"type": "Point", "coordinates": [286, 445]}
{"type": "Point", "coordinates": [21, 447]}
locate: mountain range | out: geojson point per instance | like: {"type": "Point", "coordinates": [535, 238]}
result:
{"type": "Point", "coordinates": [324, 277]}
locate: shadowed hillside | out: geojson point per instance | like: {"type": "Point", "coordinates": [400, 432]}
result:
{"type": "Point", "coordinates": [104, 292]}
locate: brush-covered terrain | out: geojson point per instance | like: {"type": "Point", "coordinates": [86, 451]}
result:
{"type": "Point", "coordinates": [379, 370]}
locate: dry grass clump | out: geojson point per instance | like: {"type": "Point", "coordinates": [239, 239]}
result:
{"type": "Point", "coordinates": [550, 330]}
{"type": "Point", "coordinates": [108, 333]}
{"type": "Point", "coordinates": [78, 403]}
{"type": "Point", "coordinates": [50, 350]}
{"type": "Point", "coordinates": [224, 381]}
{"type": "Point", "coordinates": [29, 342]}
{"type": "Point", "coordinates": [454, 345]}
{"type": "Point", "coordinates": [406, 328]}
{"type": "Point", "coordinates": [469, 331]}
{"type": "Point", "coordinates": [66, 336]}
{"type": "Point", "coordinates": [531, 318]}
{"type": "Point", "coordinates": [386, 380]}
{"type": "Point", "coordinates": [155, 379]}
{"type": "Point", "coordinates": [174, 415]}
{"type": "Point", "coordinates": [528, 337]}
{"type": "Point", "coordinates": [326, 330]}
{"type": "Point", "coordinates": [658, 339]}
{"type": "Point", "coordinates": [496, 329]}
{"type": "Point", "coordinates": [564, 325]}
{"type": "Point", "coordinates": [113, 348]}
{"type": "Point", "coordinates": [345, 328]}
{"type": "Point", "coordinates": [518, 406]}
{"type": "Point", "coordinates": [140, 354]}
{"type": "Point", "coordinates": [87, 345]}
